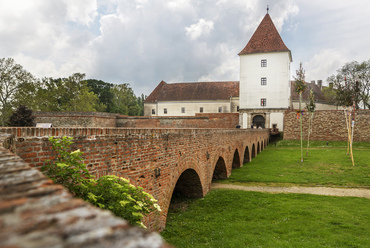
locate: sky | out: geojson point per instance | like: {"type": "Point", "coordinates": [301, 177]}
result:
{"type": "Point", "coordinates": [142, 42]}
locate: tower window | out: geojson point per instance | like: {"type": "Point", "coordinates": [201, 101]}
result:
{"type": "Point", "coordinates": [263, 81]}
{"type": "Point", "coordinates": [201, 110]}
{"type": "Point", "coordinates": [220, 109]}
{"type": "Point", "coordinates": [165, 111]}
{"type": "Point", "coordinates": [153, 111]}
{"type": "Point", "coordinates": [264, 63]}
{"type": "Point", "coordinates": [183, 110]}
{"type": "Point", "coordinates": [263, 102]}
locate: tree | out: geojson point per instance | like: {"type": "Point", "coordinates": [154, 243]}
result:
{"type": "Point", "coordinates": [300, 87]}
{"type": "Point", "coordinates": [12, 79]}
{"type": "Point", "coordinates": [103, 91]}
{"type": "Point", "coordinates": [352, 84]}
{"type": "Point", "coordinates": [22, 117]}
{"type": "Point", "coordinates": [68, 94]}
{"type": "Point", "coordinates": [124, 100]}
{"type": "Point", "coordinates": [311, 106]}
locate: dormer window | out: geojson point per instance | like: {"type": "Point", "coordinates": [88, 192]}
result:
{"type": "Point", "coordinates": [264, 63]}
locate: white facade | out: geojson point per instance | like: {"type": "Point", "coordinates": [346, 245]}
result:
{"type": "Point", "coordinates": [276, 89]}
{"type": "Point", "coordinates": [190, 108]}
{"type": "Point", "coordinates": [264, 87]}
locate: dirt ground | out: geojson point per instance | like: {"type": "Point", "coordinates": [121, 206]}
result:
{"type": "Point", "coordinates": [356, 192]}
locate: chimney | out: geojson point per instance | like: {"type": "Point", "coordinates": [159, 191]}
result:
{"type": "Point", "coordinates": [319, 83]}
{"type": "Point", "coordinates": [312, 82]}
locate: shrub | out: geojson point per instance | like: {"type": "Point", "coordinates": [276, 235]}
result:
{"type": "Point", "coordinates": [108, 192]}
{"type": "Point", "coordinates": [22, 117]}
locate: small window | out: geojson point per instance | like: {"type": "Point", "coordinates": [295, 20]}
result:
{"type": "Point", "coordinates": [165, 111]}
{"type": "Point", "coordinates": [201, 110]}
{"type": "Point", "coordinates": [237, 108]}
{"type": "Point", "coordinates": [183, 110]}
{"type": "Point", "coordinates": [153, 111]}
{"type": "Point", "coordinates": [220, 109]}
{"type": "Point", "coordinates": [264, 63]}
{"type": "Point", "coordinates": [263, 81]}
{"type": "Point", "coordinates": [263, 102]}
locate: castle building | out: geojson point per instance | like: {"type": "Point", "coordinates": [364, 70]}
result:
{"type": "Point", "coordinates": [261, 97]}
{"type": "Point", "coordinates": [264, 78]}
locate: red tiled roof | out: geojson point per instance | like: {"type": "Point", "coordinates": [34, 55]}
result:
{"type": "Point", "coordinates": [194, 91]}
{"type": "Point", "coordinates": [265, 39]}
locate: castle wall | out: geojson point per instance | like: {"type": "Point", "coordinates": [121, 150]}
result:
{"type": "Point", "coordinates": [328, 125]}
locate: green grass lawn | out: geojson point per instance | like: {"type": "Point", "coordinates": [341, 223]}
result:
{"type": "Point", "coordinates": [230, 218]}
{"type": "Point", "coordinates": [325, 165]}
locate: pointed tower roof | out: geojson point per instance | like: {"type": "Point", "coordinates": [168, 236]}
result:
{"type": "Point", "coordinates": [265, 39]}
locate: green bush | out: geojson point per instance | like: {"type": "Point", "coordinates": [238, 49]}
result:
{"type": "Point", "coordinates": [108, 192]}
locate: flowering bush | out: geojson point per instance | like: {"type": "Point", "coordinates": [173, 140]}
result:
{"type": "Point", "coordinates": [114, 193]}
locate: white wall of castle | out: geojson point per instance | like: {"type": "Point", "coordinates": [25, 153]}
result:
{"type": "Point", "coordinates": [175, 108]}
{"type": "Point", "coordinates": [277, 74]}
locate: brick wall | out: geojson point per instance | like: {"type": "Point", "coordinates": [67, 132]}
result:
{"type": "Point", "coordinates": [97, 119]}
{"type": "Point", "coordinates": [218, 120]}
{"type": "Point", "coordinates": [137, 153]}
{"type": "Point", "coordinates": [76, 119]}
{"type": "Point", "coordinates": [328, 125]}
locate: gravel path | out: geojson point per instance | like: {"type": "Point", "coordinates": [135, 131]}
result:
{"type": "Point", "coordinates": [356, 192]}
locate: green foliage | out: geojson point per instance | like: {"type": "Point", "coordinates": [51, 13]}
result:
{"type": "Point", "coordinates": [352, 84]}
{"type": "Point", "coordinates": [311, 106]}
{"type": "Point", "coordinates": [12, 79]}
{"type": "Point", "coordinates": [300, 84]}
{"type": "Point", "coordinates": [108, 192]}
{"type": "Point", "coordinates": [68, 169]}
{"type": "Point", "coordinates": [74, 93]}
{"type": "Point", "coordinates": [122, 198]}
{"type": "Point", "coordinates": [22, 117]}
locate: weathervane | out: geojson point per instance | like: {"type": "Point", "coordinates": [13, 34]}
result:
{"type": "Point", "coordinates": [267, 9]}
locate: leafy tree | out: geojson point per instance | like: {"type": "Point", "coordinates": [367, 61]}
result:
{"type": "Point", "coordinates": [103, 91]}
{"type": "Point", "coordinates": [68, 94]}
{"type": "Point", "coordinates": [22, 117]}
{"type": "Point", "coordinates": [300, 87]}
{"type": "Point", "coordinates": [352, 84]}
{"type": "Point", "coordinates": [124, 100]}
{"type": "Point", "coordinates": [12, 79]}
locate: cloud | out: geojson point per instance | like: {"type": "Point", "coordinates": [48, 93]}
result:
{"type": "Point", "coordinates": [319, 67]}
{"type": "Point", "coordinates": [203, 27]}
{"type": "Point", "coordinates": [142, 42]}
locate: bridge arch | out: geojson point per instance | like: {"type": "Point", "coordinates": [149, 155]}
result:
{"type": "Point", "coordinates": [253, 150]}
{"type": "Point", "coordinates": [188, 184]}
{"type": "Point", "coordinates": [247, 157]}
{"type": "Point", "coordinates": [220, 170]}
{"type": "Point", "coordinates": [236, 160]}
{"type": "Point", "coordinates": [258, 147]}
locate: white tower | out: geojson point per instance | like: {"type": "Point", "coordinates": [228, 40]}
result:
{"type": "Point", "coordinates": [264, 78]}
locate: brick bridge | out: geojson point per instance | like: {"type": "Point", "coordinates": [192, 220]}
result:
{"type": "Point", "coordinates": [162, 161]}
